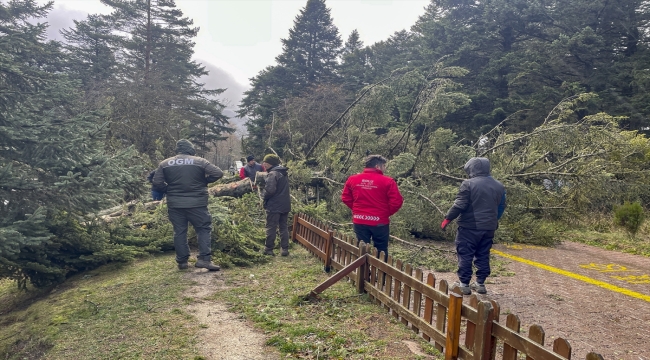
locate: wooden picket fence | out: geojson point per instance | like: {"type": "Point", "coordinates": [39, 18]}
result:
{"type": "Point", "coordinates": [460, 331]}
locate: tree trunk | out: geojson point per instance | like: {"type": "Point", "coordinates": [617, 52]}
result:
{"type": "Point", "coordinates": [236, 189]}
{"type": "Point", "coordinates": [260, 178]}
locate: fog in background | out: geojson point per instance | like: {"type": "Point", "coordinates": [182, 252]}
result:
{"type": "Point", "coordinates": [61, 17]}
{"type": "Point", "coordinates": [239, 38]}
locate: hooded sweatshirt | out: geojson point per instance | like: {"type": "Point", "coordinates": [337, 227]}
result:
{"type": "Point", "coordinates": [276, 191]}
{"type": "Point", "coordinates": [481, 199]}
{"type": "Point", "coordinates": [186, 177]}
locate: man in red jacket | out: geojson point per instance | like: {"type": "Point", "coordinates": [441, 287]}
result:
{"type": "Point", "coordinates": [373, 198]}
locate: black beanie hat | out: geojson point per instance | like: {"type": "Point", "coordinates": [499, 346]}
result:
{"type": "Point", "coordinates": [249, 158]}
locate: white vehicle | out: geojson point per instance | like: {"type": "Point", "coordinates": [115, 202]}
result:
{"type": "Point", "coordinates": [238, 165]}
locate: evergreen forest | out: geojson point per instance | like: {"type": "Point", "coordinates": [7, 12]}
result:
{"type": "Point", "coordinates": [553, 93]}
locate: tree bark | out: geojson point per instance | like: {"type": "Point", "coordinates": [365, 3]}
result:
{"type": "Point", "coordinates": [236, 189]}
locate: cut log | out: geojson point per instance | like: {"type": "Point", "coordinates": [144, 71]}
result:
{"type": "Point", "coordinates": [236, 189]}
{"type": "Point", "coordinates": [260, 178]}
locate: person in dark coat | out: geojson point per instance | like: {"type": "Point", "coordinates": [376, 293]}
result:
{"type": "Point", "coordinates": [479, 205]}
{"type": "Point", "coordinates": [373, 198]}
{"type": "Point", "coordinates": [251, 169]}
{"type": "Point", "coordinates": [156, 193]}
{"type": "Point", "coordinates": [187, 177]}
{"type": "Point", "coordinates": [277, 203]}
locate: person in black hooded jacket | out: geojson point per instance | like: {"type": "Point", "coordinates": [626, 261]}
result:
{"type": "Point", "coordinates": [479, 205]}
{"type": "Point", "coordinates": [186, 178]}
{"type": "Point", "coordinates": [277, 203]}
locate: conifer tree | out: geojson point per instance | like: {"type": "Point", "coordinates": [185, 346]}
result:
{"type": "Point", "coordinates": [158, 98]}
{"type": "Point", "coordinates": [354, 64]}
{"type": "Point", "coordinates": [91, 53]}
{"type": "Point", "coordinates": [309, 57]}
{"type": "Point", "coordinates": [52, 156]}
{"type": "Point", "coordinates": [313, 46]}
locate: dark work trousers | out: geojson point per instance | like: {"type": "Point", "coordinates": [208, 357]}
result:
{"type": "Point", "coordinates": [157, 195]}
{"type": "Point", "coordinates": [473, 246]}
{"type": "Point", "coordinates": [274, 221]}
{"type": "Point", "coordinates": [379, 235]}
{"type": "Point", "coordinates": [201, 220]}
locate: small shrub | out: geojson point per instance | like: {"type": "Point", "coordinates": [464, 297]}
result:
{"type": "Point", "coordinates": [630, 216]}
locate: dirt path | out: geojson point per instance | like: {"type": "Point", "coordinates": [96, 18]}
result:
{"type": "Point", "coordinates": [596, 299]}
{"type": "Point", "coordinates": [223, 335]}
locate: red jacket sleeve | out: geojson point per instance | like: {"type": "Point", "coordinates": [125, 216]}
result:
{"type": "Point", "coordinates": [346, 195]}
{"type": "Point", "coordinates": [242, 173]}
{"type": "Point", "coordinates": [395, 199]}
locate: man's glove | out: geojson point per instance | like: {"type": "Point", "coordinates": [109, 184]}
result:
{"type": "Point", "coordinates": [444, 224]}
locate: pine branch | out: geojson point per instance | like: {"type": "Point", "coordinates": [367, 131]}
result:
{"type": "Point", "coordinates": [527, 136]}
{"type": "Point", "coordinates": [446, 176]}
{"type": "Point", "coordinates": [427, 199]}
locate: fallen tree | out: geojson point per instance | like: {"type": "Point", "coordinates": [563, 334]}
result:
{"type": "Point", "coordinates": [235, 189]}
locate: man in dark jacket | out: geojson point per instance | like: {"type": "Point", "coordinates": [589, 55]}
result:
{"type": "Point", "coordinates": [277, 203]}
{"type": "Point", "coordinates": [479, 205]}
{"type": "Point", "coordinates": [187, 177]}
{"type": "Point", "coordinates": [251, 169]}
{"type": "Point", "coordinates": [373, 198]}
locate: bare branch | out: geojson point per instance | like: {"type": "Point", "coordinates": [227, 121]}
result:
{"type": "Point", "coordinates": [313, 147]}
{"type": "Point", "coordinates": [427, 199]}
{"type": "Point", "coordinates": [576, 158]}
{"type": "Point", "coordinates": [446, 176]}
{"type": "Point", "coordinates": [547, 173]}
{"type": "Point", "coordinates": [536, 132]}
{"type": "Point", "coordinates": [504, 120]}
{"type": "Point", "coordinates": [533, 163]}
{"type": "Point", "coordinates": [328, 179]}
{"type": "Point", "coordinates": [557, 106]}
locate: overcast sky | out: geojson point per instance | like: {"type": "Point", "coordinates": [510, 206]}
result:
{"type": "Point", "coordinates": [238, 38]}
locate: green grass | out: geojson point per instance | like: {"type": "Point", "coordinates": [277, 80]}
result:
{"type": "Point", "coordinates": [129, 311]}
{"type": "Point", "coordinates": [342, 325]}
{"type": "Point", "coordinates": [616, 240]}
{"type": "Point", "coordinates": [599, 230]}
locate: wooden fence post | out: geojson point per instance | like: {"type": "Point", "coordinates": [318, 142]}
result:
{"type": "Point", "coordinates": [329, 243]}
{"type": "Point", "coordinates": [512, 323]}
{"type": "Point", "coordinates": [562, 347]}
{"type": "Point", "coordinates": [496, 308]}
{"type": "Point", "coordinates": [294, 228]}
{"type": "Point", "coordinates": [441, 312]}
{"type": "Point", "coordinates": [362, 271]}
{"type": "Point", "coordinates": [536, 334]}
{"type": "Point", "coordinates": [428, 304]}
{"type": "Point", "coordinates": [483, 332]}
{"type": "Point", "coordinates": [453, 326]}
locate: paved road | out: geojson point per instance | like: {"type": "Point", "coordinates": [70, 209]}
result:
{"type": "Point", "coordinates": [596, 299]}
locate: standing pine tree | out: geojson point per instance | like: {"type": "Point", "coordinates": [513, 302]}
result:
{"type": "Point", "coordinates": [311, 51]}
{"type": "Point", "coordinates": [355, 63]}
{"type": "Point", "coordinates": [51, 148]}
{"type": "Point", "coordinates": [90, 52]}
{"type": "Point", "coordinates": [157, 94]}
{"type": "Point", "coordinates": [309, 57]}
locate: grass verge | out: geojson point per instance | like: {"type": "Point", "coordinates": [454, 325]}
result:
{"type": "Point", "coordinates": [343, 325]}
{"type": "Point", "coordinates": [615, 240]}
{"type": "Point", "coordinates": [125, 311]}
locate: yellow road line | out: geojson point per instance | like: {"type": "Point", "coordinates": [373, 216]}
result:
{"type": "Point", "coordinates": [586, 279]}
